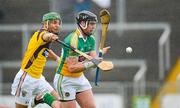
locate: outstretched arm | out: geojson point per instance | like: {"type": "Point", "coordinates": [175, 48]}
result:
{"type": "Point", "coordinates": [53, 56]}
{"type": "Point", "coordinates": [49, 37]}
{"type": "Point", "coordinates": [75, 66]}
{"type": "Point", "coordinates": [106, 49]}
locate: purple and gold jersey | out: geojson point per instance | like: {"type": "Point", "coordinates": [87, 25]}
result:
{"type": "Point", "coordinates": [35, 56]}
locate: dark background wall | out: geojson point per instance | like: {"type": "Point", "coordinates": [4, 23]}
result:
{"type": "Point", "coordinates": [144, 43]}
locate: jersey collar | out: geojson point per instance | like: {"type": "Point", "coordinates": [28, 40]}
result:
{"type": "Point", "coordinates": [80, 35]}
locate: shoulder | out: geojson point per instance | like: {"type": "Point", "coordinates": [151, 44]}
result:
{"type": "Point", "coordinates": [70, 37]}
{"type": "Point", "coordinates": [91, 38]}
{"type": "Point", "coordinates": [38, 34]}
{"type": "Point", "coordinates": [41, 32]}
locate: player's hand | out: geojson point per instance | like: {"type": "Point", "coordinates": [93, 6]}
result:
{"type": "Point", "coordinates": [71, 60]}
{"type": "Point", "coordinates": [106, 49]}
{"type": "Point", "coordinates": [53, 37]}
{"type": "Point", "coordinates": [50, 37]}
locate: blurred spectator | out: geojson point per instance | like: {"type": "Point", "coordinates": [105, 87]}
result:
{"type": "Point", "coordinates": [103, 3]}
{"type": "Point", "coordinates": [82, 5]}
{"type": "Point", "coordinates": [63, 7]}
{"type": "Point", "coordinates": [68, 8]}
{"type": "Point", "coordinates": [1, 15]}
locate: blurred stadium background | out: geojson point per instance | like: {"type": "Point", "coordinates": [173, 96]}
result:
{"type": "Point", "coordinates": [146, 78]}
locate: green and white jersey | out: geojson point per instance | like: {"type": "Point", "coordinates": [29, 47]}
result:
{"type": "Point", "coordinates": [76, 40]}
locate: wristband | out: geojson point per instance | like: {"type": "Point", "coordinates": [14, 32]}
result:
{"type": "Point", "coordinates": [89, 64]}
{"type": "Point", "coordinates": [101, 51]}
{"type": "Point", "coordinates": [48, 99]}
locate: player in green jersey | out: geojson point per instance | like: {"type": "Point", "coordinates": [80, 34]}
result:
{"type": "Point", "coordinates": [69, 80]}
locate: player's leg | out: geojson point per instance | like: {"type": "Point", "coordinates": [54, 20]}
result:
{"type": "Point", "coordinates": [51, 101]}
{"type": "Point", "coordinates": [87, 102]}
{"type": "Point", "coordinates": [64, 104]}
{"type": "Point", "coordinates": [55, 94]}
{"type": "Point", "coordinates": [21, 90]}
{"type": "Point", "coordinates": [20, 106]}
{"type": "Point", "coordinates": [56, 104]}
{"type": "Point", "coordinates": [65, 87]}
{"type": "Point", "coordinates": [45, 98]}
{"type": "Point", "coordinates": [45, 86]}
{"type": "Point", "coordinates": [21, 102]}
{"type": "Point", "coordinates": [84, 90]}
{"type": "Point", "coordinates": [47, 94]}
{"type": "Point", "coordinates": [68, 104]}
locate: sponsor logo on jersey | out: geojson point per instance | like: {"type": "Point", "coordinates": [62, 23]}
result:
{"type": "Point", "coordinates": [45, 53]}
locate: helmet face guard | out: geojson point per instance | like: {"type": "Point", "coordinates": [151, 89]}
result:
{"type": "Point", "coordinates": [85, 16]}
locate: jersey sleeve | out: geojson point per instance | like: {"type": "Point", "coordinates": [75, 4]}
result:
{"type": "Point", "coordinates": [72, 41]}
{"type": "Point", "coordinates": [39, 37]}
{"type": "Point", "coordinates": [66, 50]}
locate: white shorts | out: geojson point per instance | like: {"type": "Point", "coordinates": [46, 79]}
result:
{"type": "Point", "coordinates": [68, 87]}
{"type": "Point", "coordinates": [24, 87]}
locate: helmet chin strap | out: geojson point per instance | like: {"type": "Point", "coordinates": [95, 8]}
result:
{"type": "Point", "coordinates": [84, 27]}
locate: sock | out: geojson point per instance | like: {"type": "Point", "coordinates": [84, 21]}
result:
{"type": "Point", "coordinates": [49, 99]}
